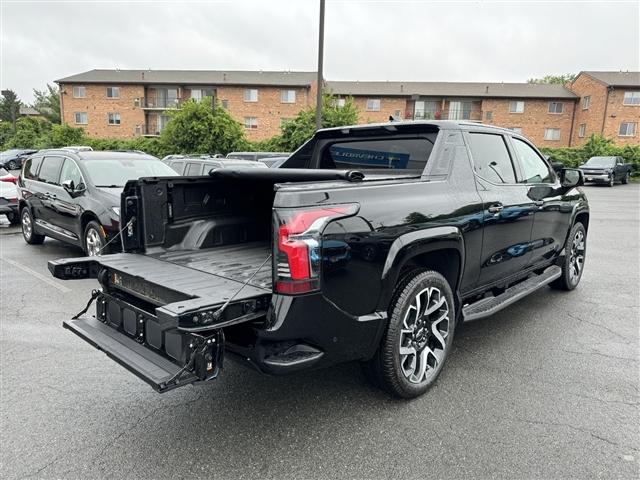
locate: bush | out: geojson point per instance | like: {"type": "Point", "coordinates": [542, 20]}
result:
{"type": "Point", "coordinates": [595, 146]}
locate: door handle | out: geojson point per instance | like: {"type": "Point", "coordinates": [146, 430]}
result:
{"type": "Point", "coordinates": [496, 208]}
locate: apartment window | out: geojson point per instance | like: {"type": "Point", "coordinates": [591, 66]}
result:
{"type": "Point", "coordinates": [582, 130]}
{"type": "Point", "coordinates": [113, 118]}
{"type": "Point", "coordinates": [339, 102]}
{"type": "Point", "coordinates": [113, 92]}
{"type": "Point", "coordinates": [556, 107]}
{"type": "Point", "coordinates": [631, 98]}
{"type": "Point", "coordinates": [552, 134]}
{"type": "Point", "coordinates": [586, 102]}
{"type": "Point", "coordinates": [251, 95]}
{"type": "Point", "coordinates": [373, 105]}
{"type": "Point", "coordinates": [516, 106]}
{"type": "Point", "coordinates": [287, 96]}
{"type": "Point", "coordinates": [627, 129]}
{"type": "Point", "coordinates": [250, 123]}
{"type": "Point", "coordinates": [81, 118]}
{"type": "Point", "coordinates": [516, 130]}
{"type": "Point", "coordinates": [79, 91]}
{"type": "Point", "coordinates": [225, 104]}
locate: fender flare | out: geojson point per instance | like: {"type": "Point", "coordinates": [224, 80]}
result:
{"type": "Point", "coordinates": [579, 208]}
{"type": "Point", "coordinates": [411, 244]}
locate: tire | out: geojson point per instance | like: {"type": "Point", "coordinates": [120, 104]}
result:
{"type": "Point", "coordinates": [28, 228]}
{"type": "Point", "coordinates": [11, 165]}
{"type": "Point", "coordinates": [626, 177]}
{"type": "Point", "coordinates": [574, 256]}
{"type": "Point", "coordinates": [414, 347]}
{"type": "Point", "coordinates": [93, 240]}
{"type": "Point", "coordinates": [612, 181]}
{"type": "Point", "coordinates": [14, 218]}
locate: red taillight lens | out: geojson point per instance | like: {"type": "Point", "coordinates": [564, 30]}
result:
{"type": "Point", "coordinates": [298, 246]}
{"type": "Point", "coordinates": [8, 178]}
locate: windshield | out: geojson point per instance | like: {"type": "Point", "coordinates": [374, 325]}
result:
{"type": "Point", "coordinates": [601, 162]}
{"type": "Point", "coordinates": [115, 173]}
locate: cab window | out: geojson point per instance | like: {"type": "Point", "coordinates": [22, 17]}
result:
{"type": "Point", "coordinates": [491, 157]}
{"type": "Point", "coordinates": [534, 168]}
{"type": "Point", "coordinates": [50, 170]}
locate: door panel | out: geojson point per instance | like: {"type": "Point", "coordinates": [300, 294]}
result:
{"type": "Point", "coordinates": [67, 209]}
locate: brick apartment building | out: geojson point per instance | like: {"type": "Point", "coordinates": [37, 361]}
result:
{"type": "Point", "coordinates": [130, 103]}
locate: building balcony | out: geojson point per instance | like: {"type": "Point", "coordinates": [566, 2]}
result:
{"type": "Point", "coordinates": [470, 115]}
{"type": "Point", "coordinates": [150, 130]}
{"type": "Point", "coordinates": [161, 103]}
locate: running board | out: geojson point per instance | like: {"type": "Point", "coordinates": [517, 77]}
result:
{"type": "Point", "coordinates": [488, 306]}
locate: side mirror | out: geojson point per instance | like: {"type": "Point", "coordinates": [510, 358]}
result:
{"type": "Point", "coordinates": [69, 187]}
{"type": "Point", "coordinates": [571, 177]}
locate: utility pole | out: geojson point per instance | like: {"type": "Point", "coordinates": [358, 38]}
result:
{"type": "Point", "coordinates": [320, 62]}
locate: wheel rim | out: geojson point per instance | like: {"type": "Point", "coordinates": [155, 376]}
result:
{"type": "Point", "coordinates": [93, 242]}
{"type": "Point", "coordinates": [576, 260]}
{"type": "Point", "coordinates": [423, 337]}
{"type": "Point", "coordinates": [27, 227]}
{"type": "Point", "coordinates": [611, 181]}
{"type": "Point", "coordinates": [12, 165]}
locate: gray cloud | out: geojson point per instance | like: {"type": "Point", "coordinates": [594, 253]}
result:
{"type": "Point", "coordinates": [365, 40]}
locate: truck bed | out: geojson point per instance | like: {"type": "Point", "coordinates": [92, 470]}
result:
{"type": "Point", "coordinates": [234, 262]}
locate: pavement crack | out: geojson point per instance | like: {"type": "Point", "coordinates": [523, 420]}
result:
{"type": "Point", "coordinates": [600, 325]}
{"type": "Point", "coordinates": [600, 354]}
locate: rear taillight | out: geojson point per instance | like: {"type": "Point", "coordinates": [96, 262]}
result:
{"type": "Point", "coordinates": [11, 179]}
{"type": "Point", "coordinates": [298, 245]}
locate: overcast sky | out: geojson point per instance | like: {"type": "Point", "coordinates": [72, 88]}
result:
{"type": "Point", "coordinates": [364, 40]}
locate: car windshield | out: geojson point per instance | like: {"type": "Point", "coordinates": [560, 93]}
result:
{"type": "Point", "coordinates": [601, 162]}
{"type": "Point", "coordinates": [115, 173]}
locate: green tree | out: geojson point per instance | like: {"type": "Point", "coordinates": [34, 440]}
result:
{"type": "Point", "coordinates": [554, 79]}
{"type": "Point", "coordinates": [47, 102]}
{"type": "Point", "coordinates": [303, 126]}
{"type": "Point", "coordinates": [9, 107]}
{"type": "Point", "coordinates": [30, 132]}
{"type": "Point", "coordinates": [6, 133]}
{"type": "Point", "coordinates": [65, 135]}
{"type": "Point", "coordinates": [202, 127]}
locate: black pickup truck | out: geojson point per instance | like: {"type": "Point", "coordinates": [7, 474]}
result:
{"type": "Point", "coordinates": [371, 243]}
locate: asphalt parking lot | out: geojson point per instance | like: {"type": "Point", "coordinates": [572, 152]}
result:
{"type": "Point", "coordinates": [547, 388]}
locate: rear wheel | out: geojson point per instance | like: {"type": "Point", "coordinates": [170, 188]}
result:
{"type": "Point", "coordinates": [418, 337]}
{"type": "Point", "coordinates": [11, 165]}
{"type": "Point", "coordinates": [28, 228]}
{"type": "Point", "coordinates": [574, 256]}
{"type": "Point", "coordinates": [626, 178]}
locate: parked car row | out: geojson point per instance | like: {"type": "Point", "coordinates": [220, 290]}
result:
{"type": "Point", "coordinates": [12, 159]}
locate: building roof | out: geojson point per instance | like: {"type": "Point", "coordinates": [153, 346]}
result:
{"type": "Point", "coordinates": [29, 111]}
{"type": "Point", "coordinates": [194, 77]}
{"type": "Point", "coordinates": [452, 89]}
{"type": "Point", "coordinates": [616, 79]}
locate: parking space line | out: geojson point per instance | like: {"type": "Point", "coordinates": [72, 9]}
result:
{"type": "Point", "coordinates": [39, 276]}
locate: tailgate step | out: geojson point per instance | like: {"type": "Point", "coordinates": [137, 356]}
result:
{"type": "Point", "coordinates": [143, 362]}
{"type": "Point", "coordinates": [488, 306]}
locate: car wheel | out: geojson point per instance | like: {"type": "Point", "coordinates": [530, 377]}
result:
{"type": "Point", "coordinates": [94, 239]}
{"type": "Point", "coordinates": [418, 337]}
{"type": "Point", "coordinates": [11, 165]}
{"type": "Point", "coordinates": [574, 256]}
{"type": "Point", "coordinates": [612, 181]}
{"type": "Point", "coordinates": [28, 228]}
{"type": "Point", "coordinates": [626, 178]}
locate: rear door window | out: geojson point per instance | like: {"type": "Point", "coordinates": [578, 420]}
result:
{"type": "Point", "coordinates": [409, 154]}
{"type": "Point", "coordinates": [193, 169]}
{"type": "Point", "coordinates": [31, 168]}
{"type": "Point", "coordinates": [177, 166]}
{"type": "Point", "coordinates": [491, 157]}
{"type": "Point", "coordinates": [50, 170]}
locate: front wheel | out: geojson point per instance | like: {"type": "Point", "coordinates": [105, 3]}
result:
{"type": "Point", "coordinates": [11, 165]}
{"type": "Point", "coordinates": [418, 337]}
{"type": "Point", "coordinates": [574, 256]}
{"type": "Point", "coordinates": [612, 181]}
{"type": "Point", "coordinates": [95, 243]}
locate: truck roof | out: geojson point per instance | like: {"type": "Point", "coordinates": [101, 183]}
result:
{"type": "Point", "coordinates": [413, 126]}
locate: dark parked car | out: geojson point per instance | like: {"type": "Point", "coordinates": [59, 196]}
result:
{"type": "Point", "coordinates": [608, 170]}
{"type": "Point", "coordinates": [13, 159]}
{"type": "Point", "coordinates": [75, 196]}
{"type": "Point", "coordinates": [255, 156]}
{"type": "Point", "coordinates": [370, 243]}
{"type": "Point", "coordinates": [9, 202]}
{"type": "Point", "coordinates": [198, 166]}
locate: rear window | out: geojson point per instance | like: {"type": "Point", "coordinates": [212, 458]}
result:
{"type": "Point", "coordinates": [31, 168]}
{"type": "Point", "coordinates": [177, 166]}
{"type": "Point", "coordinates": [50, 170]}
{"type": "Point", "coordinates": [409, 154]}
